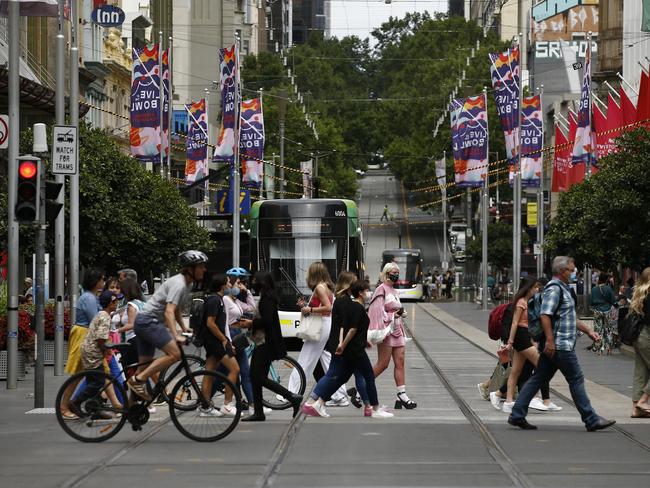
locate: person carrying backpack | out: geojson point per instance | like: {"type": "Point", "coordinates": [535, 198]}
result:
{"type": "Point", "coordinates": [558, 345]}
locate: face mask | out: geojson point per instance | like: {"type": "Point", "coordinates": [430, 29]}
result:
{"type": "Point", "coordinates": [367, 297]}
{"type": "Point", "coordinates": [393, 277]}
{"type": "Point", "coordinates": [574, 276]}
{"type": "Point", "coordinates": [233, 292]}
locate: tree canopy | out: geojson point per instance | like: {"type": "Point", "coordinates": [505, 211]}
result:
{"type": "Point", "coordinates": [604, 221]}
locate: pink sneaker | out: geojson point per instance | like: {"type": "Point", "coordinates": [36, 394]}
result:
{"type": "Point", "coordinates": [309, 410]}
{"type": "Point", "coordinates": [367, 411]}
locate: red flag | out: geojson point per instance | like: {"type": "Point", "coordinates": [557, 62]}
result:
{"type": "Point", "coordinates": [643, 103]}
{"type": "Point", "coordinates": [628, 108]}
{"type": "Point", "coordinates": [615, 117]}
{"type": "Point", "coordinates": [561, 161]}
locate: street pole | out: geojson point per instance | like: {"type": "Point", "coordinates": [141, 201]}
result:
{"type": "Point", "coordinates": [444, 217]}
{"type": "Point", "coordinates": [587, 270]}
{"type": "Point", "coordinates": [59, 223]}
{"type": "Point", "coordinates": [484, 223]}
{"type": "Point", "coordinates": [73, 280]}
{"type": "Point", "coordinates": [282, 106]}
{"type": "Point", "coordinates": [516, 208]}
{"type": "Point", "coordinates": [170, 111]}
{"type": "Point", "coordinates": [496, 155]}
{"type": "Point", "coordinates": [540, 205]}
{"type": "Point", "coordinates": [161, 101]}
{"type": "Point", "coordinates": [13, 253]}
{"type": "Point", "coordinates": [314, 178]}
{"type": "Point", "coordinates": [237, 165]}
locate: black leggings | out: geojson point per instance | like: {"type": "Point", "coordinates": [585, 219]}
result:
{"type": "Point", "coordinates": [260, 364]}
{"type": "Point", "coordinates": [527, 372]}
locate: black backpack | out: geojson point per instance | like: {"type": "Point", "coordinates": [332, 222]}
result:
{"type": "Point", "coordinates": [197, 324]}
{"type": "Point", "coordinates": [630, 328]}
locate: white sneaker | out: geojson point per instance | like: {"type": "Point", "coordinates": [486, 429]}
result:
{"type": "Point", "coordinates": [210, 412]}
{"type": "Point", "coordinates": [341, 402]}
{"type": "Point", "coordinates": [151, 409]}
{"type": "Point", "coordinates": [266, 410]}
{"type": "Point", "coordinates": [552, 407]}
{"type": "Point", "coordinates": [280, 398]}
{"type": "Point", "coordinates": [228, 409]}
{"type": "Point", "coordinates": [381, 413]}
{"type": "Point", "coordinates": [483, 391]}
{"type": "Point", "coordinates": [320, 409]}
{"type": "Point", "coordinates": [495, 400]}
{"type": "Point", "coordinates": [507, 407]}
{"type": "Point", "coordinates": [537, 404]}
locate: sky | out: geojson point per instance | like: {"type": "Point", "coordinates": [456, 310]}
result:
{"type": "Point", "coordinates": [360, 17]}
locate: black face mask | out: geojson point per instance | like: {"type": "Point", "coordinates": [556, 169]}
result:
{"type": "Point", "coordinates": [393, 277]}
{"type": "Point", "coordinates": [256, 287]}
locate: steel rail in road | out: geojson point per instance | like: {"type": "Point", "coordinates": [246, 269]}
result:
{"type": "Point", "coordinates": [498, 453]}
{"type": "Point", "coordinates": [625, 433]}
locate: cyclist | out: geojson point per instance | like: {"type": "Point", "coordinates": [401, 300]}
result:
{"type": "Point", "coordinates": [155, 325]}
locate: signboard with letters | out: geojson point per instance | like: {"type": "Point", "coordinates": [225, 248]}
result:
{"type": "Point", "coordinates": [64, 150]}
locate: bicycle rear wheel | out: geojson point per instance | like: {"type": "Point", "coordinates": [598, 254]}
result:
{"type": "Point", "coordinates": [199, 418]}
{"type": "Point", "coordinates": [280, 371]}
{"type": "Point", "coordinates": [196, 363]}
{"type": "Point", "coordinates": [96, 420]}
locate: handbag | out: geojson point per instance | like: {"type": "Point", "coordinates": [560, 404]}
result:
{"type": "Point", "coordinates": [499, 377]}
{"type": "Point", "coordinates": [311, 326]}
{"type": "Point", "coordinates": [240, 341]}
{"type": "Point", "coordinates": [375, 336]}
{"type": "Point", "coordinates": [630, 329]}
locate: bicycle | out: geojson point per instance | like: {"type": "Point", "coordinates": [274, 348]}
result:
{"type": "Point", "coordinates": [100, 421]}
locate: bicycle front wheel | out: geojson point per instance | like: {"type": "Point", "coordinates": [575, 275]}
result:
{"type": "Point", "coordinates": [195, 363]}
{"type": "Point", "coordinates": [82, 408]}
{"type": "Point", "coordinates": [200, 418]}
{"type": "Point", "coordinates": [280, 372]}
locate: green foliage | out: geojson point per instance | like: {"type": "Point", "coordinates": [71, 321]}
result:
{"type": "Point", "coordinates": [128, 216]}
{"type": "Point", "coordinates": [604, 221]}
{"type": "Point", "coordinates": [499, 245]}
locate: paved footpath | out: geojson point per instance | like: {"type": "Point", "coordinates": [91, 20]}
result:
{"type": "Point", "coordinates": [454, 438]}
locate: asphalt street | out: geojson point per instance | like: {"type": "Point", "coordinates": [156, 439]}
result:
{"type": "Point", "coordinates": [453, 439]}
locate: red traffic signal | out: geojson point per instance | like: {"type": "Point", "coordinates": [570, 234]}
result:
{"type": "Point", "coordinates": [27, 190]}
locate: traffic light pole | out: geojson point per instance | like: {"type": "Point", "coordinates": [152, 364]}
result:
{"type": "Point", "coordinates": [13, 73]}
{"type": "Point", "coordinates": [39, 373]}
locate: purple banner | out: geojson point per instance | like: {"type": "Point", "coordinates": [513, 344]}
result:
{"type": "Point", "coordinates": [469, 133]}
{"type": "Point", "coordinates": [504, 68]}
{"type": "Point", "coordinates": [196, 162]}
{"type": "Point", "coordinates": [532, 138]}
{"type": "Point", "coordinates": [225, 150]}
{"type": "Point", "coordinates": [251, 142]}
{"type": "Point", "coordinates": [584, 145]}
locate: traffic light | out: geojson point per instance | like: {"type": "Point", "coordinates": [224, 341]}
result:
{"type": "Point", "coordinates": [52, 207]}
{"type": "Point", "coordinates": [28, 189]}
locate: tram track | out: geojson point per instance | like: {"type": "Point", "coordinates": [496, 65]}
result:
{"type": "Point", "coordinates": [617, 428]}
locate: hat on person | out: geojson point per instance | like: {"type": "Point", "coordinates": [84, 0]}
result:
{"type": "Point", "coordinates": [107, 297]}
{"type": "Point", "coordinates": [28, 280]}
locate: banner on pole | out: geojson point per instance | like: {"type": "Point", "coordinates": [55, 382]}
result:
{"type": "Point", "coordinates": [269, 180]}
{"type": "Point", "coordinates": [225, 150]}
{"type": "Point", "coordinates": [251, 142]}
{"type": "Point", "coordinates": [532, 138]}
{"type": "Point", "coordinates": [561, 162]}
{"type": "Point", "coordinates": [504, 69]}
{"type": "Point", "coordinates": [307, 168]}
{"type": "Point", "coordinates": [628, 108]}
{"type": "Point", "coordinates": [37, 8]}
{"type": "Point", "coordinates": [441, 176]}
{"type": "Point", "coordinates": [224, 202]}
{"type": "Point", "coordinates": [469, 134]}
{"type": "Point", "coordinates": [145, 104]}
{"type": "Point", "coordinates": [196, 143]}
{"type": "Point", "coordinates": [583, 146]}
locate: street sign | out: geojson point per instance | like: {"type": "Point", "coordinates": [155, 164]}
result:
{"type": "Point", "coordinates": [468, 232]}
{"type": "Point", "coordinates": [64, 150]}
{"type": "Point", "coordinates": [224, 202]}
{"type": "Point", "coordinates": [108, 16]}
{"type": "Point", "coordinates": [445, 265]}
{"type": "Point", "coordinates": [537, 249]}
{"type": "Point", "coordinates": [4, 131]}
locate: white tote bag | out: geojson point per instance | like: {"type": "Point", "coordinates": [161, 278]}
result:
{"type": "Point", "coordinates": [311, 326]}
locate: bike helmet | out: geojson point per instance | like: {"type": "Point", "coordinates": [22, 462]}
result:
{"type": "Point", "coordinates": [238, 272]}
{"type": "Point", "coordinates": [192, 258]}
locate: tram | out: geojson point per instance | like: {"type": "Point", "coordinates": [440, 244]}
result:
{"type": "Point", "coordinates": [409, 286]}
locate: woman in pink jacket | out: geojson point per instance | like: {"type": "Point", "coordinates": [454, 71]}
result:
{"type": "Point", "coordinates": [387, 311]}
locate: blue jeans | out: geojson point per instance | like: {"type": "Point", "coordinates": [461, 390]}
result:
{"type": "Point", "coordinates": [567, 363]}
{"type": "Point", "coordinates": [340, 370]}
{"type": "Point", "coordinates": [244, 369]}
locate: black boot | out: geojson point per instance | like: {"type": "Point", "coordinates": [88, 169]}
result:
{"type": "Point", "coordinates": [256, 417]}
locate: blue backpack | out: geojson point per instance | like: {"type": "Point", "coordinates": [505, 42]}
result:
{"type": "Point", "coordinates": [534, 313]}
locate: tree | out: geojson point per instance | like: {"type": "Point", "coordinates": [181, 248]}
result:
{"type": "Point", "coordinates": [128, 215]}
{"type": "Point", "coordinates": [499, 245]}
{"type": "Point", "coordinates": [603, 221]}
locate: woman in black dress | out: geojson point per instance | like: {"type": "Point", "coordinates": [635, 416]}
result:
{"type": "Point", "coordinates": [270, 347]}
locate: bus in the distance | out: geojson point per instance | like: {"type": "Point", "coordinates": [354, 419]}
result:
{"type": "Point", "coordinates": [288, 235]}
{"type": "Point", "coordinates": [409, 286]}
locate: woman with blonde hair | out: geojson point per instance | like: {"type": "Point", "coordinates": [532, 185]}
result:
{"type": "Point", "coordinates": [641, 386]}
{"type": "Point", "coordinates": [320, 304]}
{"type": "Point", "coordinates": [386, 311]}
